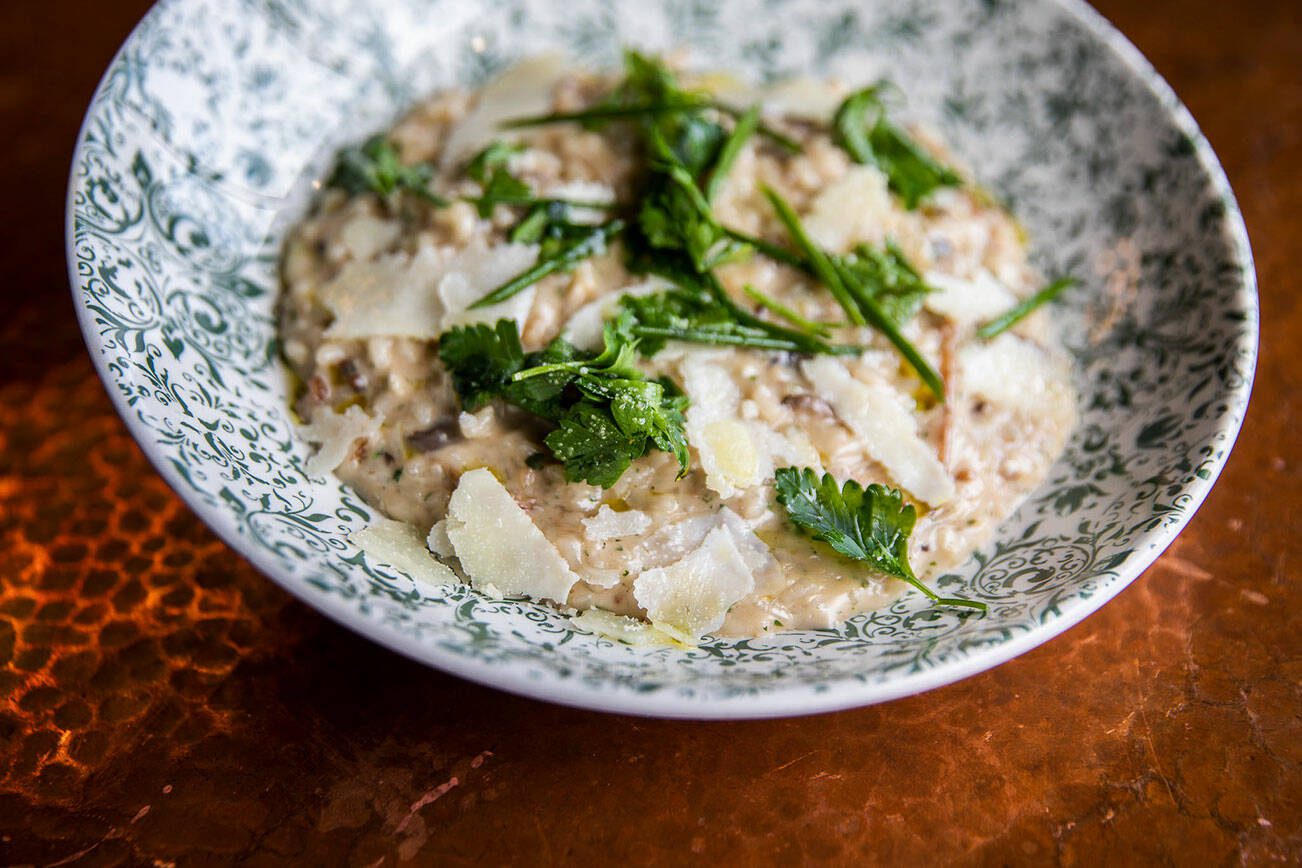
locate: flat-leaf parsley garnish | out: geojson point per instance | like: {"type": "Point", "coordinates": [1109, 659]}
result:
{"type": "Point", "coordinates": [862, 129]}
{"type": "Point", "coordinates": [870, 524]}
{"type": "Point", "coordinates": [607, 413]}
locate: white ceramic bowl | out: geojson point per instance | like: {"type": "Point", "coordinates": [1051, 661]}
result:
{"type": "Point", "coordinates": [199, 148]}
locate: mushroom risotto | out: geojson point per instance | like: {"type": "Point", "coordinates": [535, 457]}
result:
{"type": "Point", "coordinates": [676, 354]}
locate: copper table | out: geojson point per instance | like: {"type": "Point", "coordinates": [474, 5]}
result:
{"type": "Point", "coordinates": [162, 702]}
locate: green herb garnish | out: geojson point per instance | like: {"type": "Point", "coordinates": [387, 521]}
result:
{"type": "Point", "coordinates": [606, 412]}
{"type": "Point", "coordinates": [808, 326]}
{"type": "Point", "coordinates": [870, 524]}
{"type": "Point", "coordinates": [730, 150]}
{"type": "Point", "coordinates": [862, 129]}
{"type": "Point", "coordinates": [705, 315]}
{"type": "Point", "coordinates": [857, 283]}
{"type": "Point", "coordinates": [1019, 312]}
{"type": "Point", "coordinates": [374, 167]}
{"type": "Point", "coordinates": [573, 246]}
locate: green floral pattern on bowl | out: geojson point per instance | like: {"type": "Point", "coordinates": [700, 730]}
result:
{"type": "Point", "coordinates": [203, 139]}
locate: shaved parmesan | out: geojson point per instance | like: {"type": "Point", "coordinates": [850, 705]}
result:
{"type": "Point", "coordinates": [522, 90]}
{"type": "Point", "coordinates": [423, 295]}
{"type": "Point", "coordinates": [691, 597]}
{"type": "Point", "coordinates": [883, 420]}
{"type": "Point", "coordinates": [1016, 374]}
{"type": "Point", "coordinates": [736, 453]}
{"type": "Point", "coordinates": [608, 524]}
{"type": "Point", "coordinates": [853, 209]}
{"type": "Point", "coordinates": [584, 328]}
{"type": "Point", "coordinates": [365, 235]}
{"type": "Point", "coordinates": [620, 628]}
{"type": "Point", "coordinates": [967, 301]}
{"type": "Point", "coordinates": [582, 191]}
{"type": "Point", "coordinates": [801, 97]}
{"type": "Point", "coordinates": [399, 545]}
{"type": "Point", "coordinates": [498, 544]}
{"type": "Point", "coordinates": [477, 270]}
{"type": "Point", "coordinates": [393, 296]}
{"type": "Point", "coordinates": [438, 542]}
{"type": "Point", "coordinates": [337, 433]}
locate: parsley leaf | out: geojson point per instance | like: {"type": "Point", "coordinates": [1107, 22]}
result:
{"type": "Point", "coordinates": [870, 524]}
{"type": "Point", "coordinates": [481, 360]}
{"type": "Point", "coordinates": [591, 445]}
{"type": "Point", "coordinates": [1020, 311]}
{"type": "Point", "coordinates": [863, 131]}
{"type": "Point", "coordinates": [606, 411]}
{"type": "Point", "coordinates": [374, 167]}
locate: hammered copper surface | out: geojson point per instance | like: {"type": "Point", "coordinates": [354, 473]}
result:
{"type": "Point", "coordinates": [161, 702]}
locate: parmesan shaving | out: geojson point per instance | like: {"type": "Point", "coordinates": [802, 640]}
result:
{"type": "Point", "coordinates": [883, 420]}
{"type": "Point", "coordinates": [337, 433]}
{"type": "Point", "coordinates": [477, 270]}
{"type": "Point", "coordinates": [802, 97]}
{"type": "Point", "coordinates": [1016, 374]}
{"type": "Point", "coordinates": [399, 545]}
{"type": "Point", "coordinates": [620, 628]}
{"type": "Point", "coordinates": [522, 90]}
{"type": "Point", "coordinates": [691, 597]}
{"type": "Point", "coordinates": [498, 544]}
{"type": "Point", "coordinates": [736, 453]}
{"type": "Point", "coordinates": [609, 524]}
{"type": "Point", "coordinates": [854, 209]}
{"type": "Point", "coordinates": [967, 301]}
{"type": "Point", "coordinates": [393, 296]}
{"type": "Point", "coordinates": [584, 329]}
{"type": "Point", "coordinates": [438, 541]}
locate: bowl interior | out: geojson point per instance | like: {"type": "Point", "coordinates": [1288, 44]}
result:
{"type": "Point", "coordinates": [202, 144]}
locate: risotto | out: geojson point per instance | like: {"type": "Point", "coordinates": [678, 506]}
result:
{"type": "Point", "coordinates": [677, 355]}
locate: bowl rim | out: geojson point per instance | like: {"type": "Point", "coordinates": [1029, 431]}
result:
{"type": "Point", "coordinates": [788, 702]}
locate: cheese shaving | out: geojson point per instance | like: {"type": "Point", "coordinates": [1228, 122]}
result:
{"type": "Point", "coordinates": [854, 209]}
{"type": "Point", "coordinates": [1017, 374]}
{"type": "Point", "coordinates": [392, 296]}
{"type": "Point", "coordinates": [691, 597]}
{"type": "Point", "coordinates": [523, 90]}
{"type": "Point", "coordinates": [609, 524]}
{"type": "Point", "coordinates": [477, 270]}
{"type": "Point", "coordinates": [498, 544]}
{"type": "Point", "coordinates": [967, 301]}
{"type": "Point", "coordinates": [337, 433]}
{"type": "Point", "coordinates": [883, 420]}
{"type": "Point", "coordinates": [620, 628]}
{"type": "Point", "coordinates": [399, 545]}
{"type": "Point", "coordinates": [585, 326]}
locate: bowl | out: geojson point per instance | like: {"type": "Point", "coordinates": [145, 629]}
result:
{"type": "Point", "coordinates": [210, 127]}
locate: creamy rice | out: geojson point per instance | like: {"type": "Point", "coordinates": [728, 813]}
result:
{"type": "Point", "coordinates": [392, 426]}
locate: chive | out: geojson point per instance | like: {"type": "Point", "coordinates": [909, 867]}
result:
{"type": "Point", "coordinates": [1002, 323]}
{"type": "Point", "coordinates": [784, 142]}
{"type": "Point", "coordinates": [771, 250]}
{"type": "Point", "coordinates": [589, 245]}
{"type": "Point", "coordinates": [731, 149]}
{"type": "Point", "coordinates": [822, 266]}
{"type": "Point", "coordinates": [638, 110]}
{"type": "Point", "coordinates": [607, 113]}
{"type": "Point", "coordinates": [780, 309]}
{"type": "Point", "coordinates": [709, 336]}
{"type": "Point", "coordinates": [887, 326]}
{"type": "Point", "coordinates": [852, 297]}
